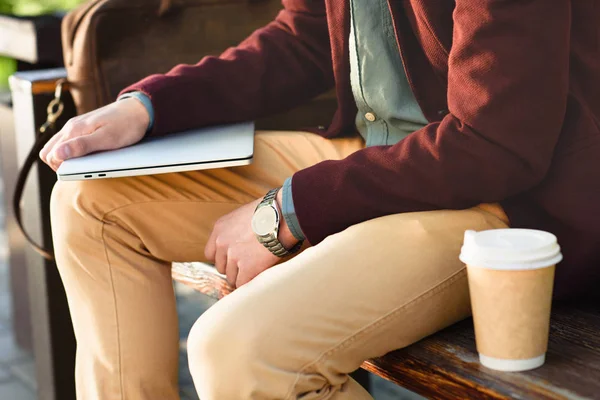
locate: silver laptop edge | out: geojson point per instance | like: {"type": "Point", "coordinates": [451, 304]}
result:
{"type": "Point", "coordinates": [154, 170]}
{"type": "Point", "coordinates": [207, 148]}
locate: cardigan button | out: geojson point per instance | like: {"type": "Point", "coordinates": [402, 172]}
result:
{"type": "Point", "coordinates": [370, 117]}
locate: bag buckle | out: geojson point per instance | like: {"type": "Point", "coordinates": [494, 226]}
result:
{"type": "Point", "coordinates": [55, 107]}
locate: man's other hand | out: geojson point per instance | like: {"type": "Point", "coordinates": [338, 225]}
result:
{"type": "Point", "coordinates": [116, 125]}
{"type": "Point", "coordinates": [234, 249]}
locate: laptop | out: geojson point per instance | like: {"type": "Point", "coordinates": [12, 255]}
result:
{"type": "Point", "coordinates": [206, 148]}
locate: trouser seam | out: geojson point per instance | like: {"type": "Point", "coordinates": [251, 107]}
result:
{"type": "Point", "coordinates": [114, 293]}
{"type": "Point", "coordinates": [103, 221]}
{"type": "Point", "coordinates": [379, 322]}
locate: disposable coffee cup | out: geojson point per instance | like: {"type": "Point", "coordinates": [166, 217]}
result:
{"type": "Point", "coordinates": [511, 276]}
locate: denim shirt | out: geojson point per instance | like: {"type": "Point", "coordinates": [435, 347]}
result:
{"type": "Point", "coordinates": [387, 109]}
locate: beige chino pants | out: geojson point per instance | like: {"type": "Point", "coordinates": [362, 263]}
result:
{"type": "Point", "coordinates": [295, 331]}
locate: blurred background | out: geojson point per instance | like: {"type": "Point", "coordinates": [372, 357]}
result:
{"type": "Point", "coordinates": [18, 369]}
{"type": "Point", "coordinates": [27, 8]}
{"type": "Point", "coordinates": [36, 340]}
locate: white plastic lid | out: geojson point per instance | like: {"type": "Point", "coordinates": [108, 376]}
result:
{"type": "Point", "coordinates": [510, 249]}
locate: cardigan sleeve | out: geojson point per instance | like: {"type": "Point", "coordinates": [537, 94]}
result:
{"type": "Point", "coordinates": [282, 65]}
{"type": "Point", "coordinates": [508, 79]}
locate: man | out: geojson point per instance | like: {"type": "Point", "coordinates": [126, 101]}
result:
{"type": "Point", "coordinates": [470, 115]}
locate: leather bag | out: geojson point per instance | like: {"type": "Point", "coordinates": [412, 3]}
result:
{"type": "Point", "coordinates": [110, 44]}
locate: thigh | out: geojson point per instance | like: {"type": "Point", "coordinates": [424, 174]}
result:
{"type": "Point", "coordinates": [173, 214]}
{"type": "Point", "coordinates": [375, 287]}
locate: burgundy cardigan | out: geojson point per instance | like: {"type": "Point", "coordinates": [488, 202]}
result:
{"type": "Point", "coordinates": [511, 90]}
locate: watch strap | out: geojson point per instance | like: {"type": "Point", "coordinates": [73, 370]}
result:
{"type": "Point", "coordinates": [275, 247]}
{"type": "Point", "coordinates": [271, 242]}
{"type": "Point", "coordinates": [269, 197]}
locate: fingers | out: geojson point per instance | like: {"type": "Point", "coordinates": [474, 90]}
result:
{"type": "Point", "coordinates": [242, 278]}
{"type": "Point", "coordinates": [210, 249]}
{"type": "Point", "coordinates": [221, 257]}
{"type": "Point", "coordinates": [79, 146]}
{"type": "Point", "coordinates": [113, 126]}
{"type": "Point", "coordinates": [216, 252]}
{"type": "Point", "coordinates": [49, 146]}
{"type": "Point", "coordinates": [216, 247]}
{"type": "Point", "coordinates": [231, 269]}
{"type": "Point", "coordinates": [53, 153]}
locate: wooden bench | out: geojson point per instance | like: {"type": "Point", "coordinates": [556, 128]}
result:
{"type": "Point", "coordinates": [445, 365]}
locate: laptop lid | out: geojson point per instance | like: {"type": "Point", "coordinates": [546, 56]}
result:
{"type": "Point", "coordinates": [205, 148]}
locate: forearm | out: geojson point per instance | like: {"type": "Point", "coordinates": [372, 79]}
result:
{"type": "Point", "coordinates": [278, 67]}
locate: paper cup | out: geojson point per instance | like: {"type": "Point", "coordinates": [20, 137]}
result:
{"type": "Point", "coordinates": [511, 276]}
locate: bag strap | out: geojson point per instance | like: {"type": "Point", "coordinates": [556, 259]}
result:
{"type": "Point", "coordinates": [47, 130]}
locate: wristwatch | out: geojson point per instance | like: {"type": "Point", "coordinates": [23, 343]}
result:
{"type": "Point", "coordinates": [265, 224]}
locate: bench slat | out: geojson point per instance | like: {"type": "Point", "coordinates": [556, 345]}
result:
{"type": "Point", "coordinates": [446, 366]}
{"type": "Point", "coordinates": [202, 278]}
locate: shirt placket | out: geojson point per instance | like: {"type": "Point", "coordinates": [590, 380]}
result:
{"type": "Point", "coordinates": [376, 127]}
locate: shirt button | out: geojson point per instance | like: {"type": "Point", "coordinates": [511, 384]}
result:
{"type": "Point", "coordinates": [370, 117]}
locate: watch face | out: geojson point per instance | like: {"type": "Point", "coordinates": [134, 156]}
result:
{"type": "Point", "coordinates": [264, 221]}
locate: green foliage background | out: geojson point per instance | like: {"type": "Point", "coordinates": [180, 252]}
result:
{"type": "Point", "coordinates": [28, 7]}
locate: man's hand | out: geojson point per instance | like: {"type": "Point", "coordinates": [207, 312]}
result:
{"type": "Point", "coordinates": [114, 126]}
{"type": "Point", "coordinates": [234, 249]}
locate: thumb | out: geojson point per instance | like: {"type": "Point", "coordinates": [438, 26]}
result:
{"type": "Point", "coordinates": [82, 145]}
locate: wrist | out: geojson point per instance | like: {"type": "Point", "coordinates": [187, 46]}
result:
{"type": "Point", "coordinates": [285, 236]}
{"type": "Point", "coordinates": [143, 107]}
{"type": "Point", "coordinates": [140, 113]}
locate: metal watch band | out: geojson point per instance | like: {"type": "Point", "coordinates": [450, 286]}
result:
{"type": "Point", "coordinates": [271, 242]}
{"type": "Point", "coordinates": [275, 247]}
{"type": "Point", "coordinates": [269, 197]}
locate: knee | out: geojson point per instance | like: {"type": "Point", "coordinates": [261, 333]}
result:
{"type": "Point", "coordinates": [67, 204]}
{"type": "Point", "coordinates": [227, 342]}
{"type": "Point", "coordinates": [63, 209]}
{"type": "Point", "coordinates": [217, 337]}
{"type": "Point", "coordinates": [68, 223]}
{"type": "Point", "coordinates": [72, 200]}
{"type": "Point", "coordinates": [61, 199]}
{"type": "Point", "coordinates": [75, 212]}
